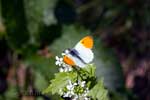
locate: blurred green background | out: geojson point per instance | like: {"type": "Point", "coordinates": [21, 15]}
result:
{"type": "Point", "coordinates": [33, 32]}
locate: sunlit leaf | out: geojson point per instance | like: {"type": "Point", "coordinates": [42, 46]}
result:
{"type": "Point", "coordinates": [90, 68]}
{"type": "Point", "coordinates": [99, 92]}
{"type": "Point", "coordinates": [59, 82]}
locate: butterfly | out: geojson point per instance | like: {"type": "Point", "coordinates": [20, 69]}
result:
{"type": "Point", "coordinates": [81, 54]}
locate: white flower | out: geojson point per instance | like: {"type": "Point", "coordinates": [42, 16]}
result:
{"type": "Point", "coordinates": [86, 91]}
{"type": "Point", "coordinates": [63, 66]}
{"type": "Point", "coordinates": [65, 52]}
{"type": "Point", "coordinates": [75, 84]}
{"type": "Point", "coordinates": [65, 69]}
{"type": "Point", "coordinates": [70, 86]}
{"type": "Point", "coordinates": [72, 93]}
{"type": "Point", "coordinates": [60, 91]}
{"type": "Point", "coordinates": [61, 70]}
{"type": "Point", "coordinates": [86, 98]}
{"type": "Point", "coordinates": [75, 97]}
{"type": "Point", "coordinates": [59, 61]}
{"type": "Point", "coordinates": [68, 94]}
{"type": "Point", "coordinates": [85, 94]}
{"type": "Point", "coordinates": [82, 83]}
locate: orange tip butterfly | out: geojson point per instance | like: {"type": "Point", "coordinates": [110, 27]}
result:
{"type": "Point", "coordinates": [81, 54]}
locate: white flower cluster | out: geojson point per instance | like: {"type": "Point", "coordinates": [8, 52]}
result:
{"type": "Point", "coordinates": [63, 66]}
{"type": "Point", "coordinates": [76, 91]}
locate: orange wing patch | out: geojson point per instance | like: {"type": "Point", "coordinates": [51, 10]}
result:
{"type": "Point", "coordinates": [68, 60]}
{"type": "Point", "coordinates": [87, 42]}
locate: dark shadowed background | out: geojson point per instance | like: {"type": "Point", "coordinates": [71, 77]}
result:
{"type": "Point", "coordinates": [33, 32]}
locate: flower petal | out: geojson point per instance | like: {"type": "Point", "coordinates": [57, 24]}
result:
{"type": "Point", "coordinates": [63, 54]}
{"type": "Point", "coordinates": [61, 70]}
{"type": "Point", "coordinates": [57, 62]}
{"type": "Point", "coordinates": [61, 59]}
{"type": "Point", "coordinates": [57, 58]}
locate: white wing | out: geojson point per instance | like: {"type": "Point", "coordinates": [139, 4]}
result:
{"type": "Point", "coordinates": [84, 53]}
{"type": "Point", "coordinates": [77, 61]}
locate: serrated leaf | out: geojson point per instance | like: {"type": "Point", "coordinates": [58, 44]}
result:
{"type": "Point", "coordinates": [90, 68]}
{"type": "Point", "coordinates": [60, 81]}
{"type": "Point", "coordinates": [99, 92]}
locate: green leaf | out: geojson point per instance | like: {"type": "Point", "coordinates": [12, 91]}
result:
{"type": "Point", "coordinates": [37, 14]}
{"type": "Point", "coordinates": [60, 81]}
{"type": "Point", "coordinates": [105, 60]}
{"type": "Point", "coordinates": [108, 66]}
{"type": "Point", "coordinates": [15, 22]}
{"type": "Point", "coordinates": [70, 36]}
{"type": "Point", "coordinates": [40, 81]}
{"type": "Point", "coordinates": [90, 68]}
{"type": "Point", "coordinates": [11, 93]}
{"type": "Point", "coordinates": [46, 66]}
{"type": "Point", "coordinates": [99, 92]}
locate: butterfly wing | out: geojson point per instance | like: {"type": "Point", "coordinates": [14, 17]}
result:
{"type": "Point", "coordinates": [71, 60]}
{"type": "Point", "coordinates": [84, 49]}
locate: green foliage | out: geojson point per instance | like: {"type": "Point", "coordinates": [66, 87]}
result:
{"type": "Point", "coordinates": [45, 66]}
{"type": "Point", "coordinates": [40, 15]}
{"type": "Point", "coordinates": [90, 68]}
{"type": "Point", "coordinates": [40, 81]}
{"type": "Point", "coordinates": [108, 66]}
{"type": "Point", "coordinates": [60, 81]}
{"type": "Point", "coordinates": [86, 74]}
{"type": "Point", "coordinates": [13, 13]}
{"type": "Point", "coordinates": [25, 21]}
{"type": "Point", "coordinates": [104, 57]}
{"type": "Point", "coordinates": [70, 36]}
{"type": "Point", "coordinates": [30, 23]}
{"type": "Point", "coordinates": [46, 38]}
{"type": "Point", "coordinates": [11, 94]}
{"type": "Point", "coordinates": [98, 92]}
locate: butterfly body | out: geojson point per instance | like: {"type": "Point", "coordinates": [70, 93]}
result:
{"type": "Point", "coordinates": [81, 54]}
